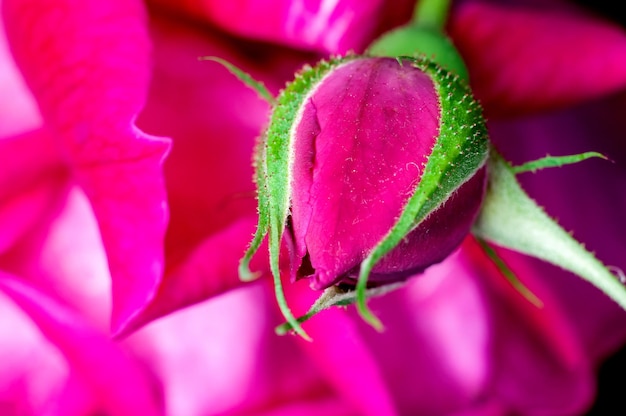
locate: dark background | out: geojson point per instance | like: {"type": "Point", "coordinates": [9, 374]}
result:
{"type": "Point", "coordinates": [611, 399]}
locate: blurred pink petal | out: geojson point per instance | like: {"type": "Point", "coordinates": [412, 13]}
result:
{"type": "Point", "coordinates": [209, 171]}
{"type": "Point", "coordinates": [344, 358]}
{"type": "Point", "coordinates": [334, 26]}
{"type": "Point", "coordinates": [32, 179]}
{"type": "Point", "coordinates": [537, 363]}
{"type": "Point", "coordinates": [19, 113]}
{"type": "Point", "coordinates": [63, 253]}
{"type": "Point", "coordinates": [552, 58]}
{"type": "Point", "coordinates": [87, 64]}
{"type": "Point", "coordinates": [458, 337]}
{"type": "Point", "coordinates": [120, 386]}
{"type": "Point", "coordinates": [222, 357]}
{"type": "Point", "coordinates": [210, 270]}
{"type": "Point", "coordinates": [33, 372]}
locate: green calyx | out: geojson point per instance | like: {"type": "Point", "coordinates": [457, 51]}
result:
{"type": "Point", "coordinates": [460, 150]}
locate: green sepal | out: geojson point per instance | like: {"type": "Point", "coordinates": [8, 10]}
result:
{"type": "Point", "coordinates": [244, 77]}
{"type": "Point", "coordinates": [420, 42]}
{"type": "Point", "coordinates": [335, 296]}
{"type": "Point", "coordinates": [460, 151]}
{"type": "Point", "coordinates": [554, 162]}
{"type": "Point", "coordinates": [260, 176]}
{"type": "Point", "coordinates": [508, 273]}
{"type": "Point", "coordinates": [273, 174]}
{"type": "Point", "coordinates": [510, 218]}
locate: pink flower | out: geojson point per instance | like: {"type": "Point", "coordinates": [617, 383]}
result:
{"type": "Point", "coordinates": [362, 138]}
{"type": "Point", "coordinates": [132, 174]}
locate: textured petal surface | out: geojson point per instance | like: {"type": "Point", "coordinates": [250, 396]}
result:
{"type": "Point", "coordinates": [554, 57]}
{"type": "Point", "coordinates": [119, 385]}
{"type": "Point", "coordinates": [87, 64]}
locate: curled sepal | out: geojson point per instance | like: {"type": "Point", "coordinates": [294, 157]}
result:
{"type": "Point", "coordinates": [260, 176]}
{"type": "Point", "coordinates": [259, 166]}
{"type": "Point", "coordinates": [460, 151]}
{"type": "Point", "coordinates": [554, 162]}
{"type": "Point", "coordinates": [337, 296]}
{"type": "Point", "coordinates": [511, 219]}
{"type": "Point", "coordinates": [244, 77]}
{"type": "Point", "coordinates": [508, 273]}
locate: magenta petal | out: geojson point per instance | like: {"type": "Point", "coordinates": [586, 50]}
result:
{"type": "Point", "coordinates": [335, 26]}
{"type": "Point", "coordinates": [210, 270]}
{"type": "Point", "coordinates": [343, 356]}
{"type": "Point", "coordinates": [87, 64]}
{"type": "Point", "coordinates": [222, 357]}
{"type": "Point", "coordinates": [119, 384]}
{"type": "Point", "coordinates": [31, 180]}
{"type": "Point", "coordinates": [537, 362]}
{"type": "Point", "coordinates": [18, 111]}
{"type": "Point", "coordinates": [553, 58]}
{"type": "Point", "coordinates": [459, 337]}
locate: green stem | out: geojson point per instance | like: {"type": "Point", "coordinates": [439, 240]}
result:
{"type": "Point", "coordinates": [431, 13]}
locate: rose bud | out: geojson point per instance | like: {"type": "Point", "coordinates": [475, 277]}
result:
{"type": "Point", "coordinates": [374, 167]}
{"type": "Point", "coordinates": [361, 142]}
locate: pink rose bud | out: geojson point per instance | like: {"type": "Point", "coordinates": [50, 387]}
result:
{"type": "Point", "coordinates": [373, 168]}
{"type": "Point", "coordinates": [361, 141]}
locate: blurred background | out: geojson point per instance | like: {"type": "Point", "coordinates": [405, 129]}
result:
{"type": "Point", "coordinates": [610, 400]}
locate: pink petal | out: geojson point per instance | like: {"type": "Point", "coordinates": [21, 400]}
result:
{"type": "Point", "coordinates": [214, 120]}
{"type": "Point", "coordinates": [71, 265]}
{"type": "Point", "coordinates": [326, 26]}
{"type": "Point", "coordinates": [343, 356]}
{"type": "Point", "coordinates": [209, 171]}
{"type": "Point", "coordinates": [33, 372]}
{"type": "Point", "coordinates": [524, 60]}
{"type": "Point", "coordinates": [87, 64]}
{"type": "Point", "coordinates": [120, 385]}
{"type": "Point", "coordinates": [537, 363]}
{"type": "Point", "coordinates": [456, 338]}
{"type": "Point", "coordinates": [18, 110]}
{"type": "Point", "coordinates": [213, 365]}
{"type": "Point", "coordinates": [210, 270]}
{"type": "Point", "coordinates": [32, 181]}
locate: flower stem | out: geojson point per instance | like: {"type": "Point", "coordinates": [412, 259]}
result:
{"type": "Point", "coordinates": [431, 13]}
